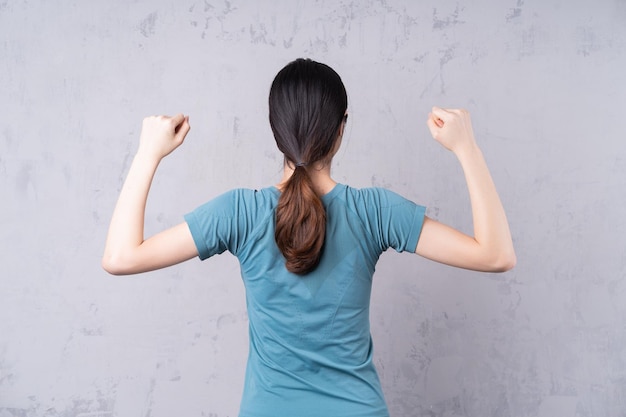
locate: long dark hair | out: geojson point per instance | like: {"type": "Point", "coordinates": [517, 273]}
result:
{"type": "Point", "coordinates": [307, 104]}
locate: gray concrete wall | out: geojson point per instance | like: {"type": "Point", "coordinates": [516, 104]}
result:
{"type": "Point", "coordinates": [544, 81]}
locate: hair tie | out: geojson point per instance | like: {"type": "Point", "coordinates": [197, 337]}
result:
{"type": "Point", "coordinates": [301, 164]}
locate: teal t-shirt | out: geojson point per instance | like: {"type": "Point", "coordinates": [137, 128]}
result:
{"type": "Point", "coordinates": [310, 345]}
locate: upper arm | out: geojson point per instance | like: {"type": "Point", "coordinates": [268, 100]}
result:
{"type": "Point", "coordinates": [444, 244]}
{"type": "Point", "coordinates": [166, 248]}
{"type": "Point", "coordinates": [392, 220]}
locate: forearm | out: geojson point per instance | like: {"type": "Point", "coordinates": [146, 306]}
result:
{"type": "Point", "coordinates": [126, 231]}
{"type": "Point", "coordinates": [491, 227]}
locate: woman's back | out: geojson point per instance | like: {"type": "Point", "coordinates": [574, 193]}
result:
{"type": "Point", "coordinates": [310, 342]}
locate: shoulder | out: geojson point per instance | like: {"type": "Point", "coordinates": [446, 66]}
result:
{"type": "Point", "coordinates": [240, 200]}
{"type": "Point", "coordinates": [250, 194]}
{"type": "Point", "coordinates": [374, 197]}
{"type": "Point", "coordinates": [259, 198]}
{"type": "Point", "coordinates": [390, 219]}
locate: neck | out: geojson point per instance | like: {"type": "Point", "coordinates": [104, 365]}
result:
{"type": "Point", "coordinates": [320, 177]}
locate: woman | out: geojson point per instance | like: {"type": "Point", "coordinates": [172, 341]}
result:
{"type": "Point", "coordinates": [308, 246]}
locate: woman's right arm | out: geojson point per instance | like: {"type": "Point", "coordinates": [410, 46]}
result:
{"type": "Point", "coordinates": [126, 251]}
{"type": "Point", "coordinates": [491, 247]}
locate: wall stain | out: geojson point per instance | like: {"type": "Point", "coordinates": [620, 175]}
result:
{"type": "Point", "coordinates": [146, 27]}
{"type": "Point", "coordinates": [515, 12]}
{"type": "Point", "coordinates": [451, 20]}
{"type": "Point", "coordinates": [25, 183]}
{"type": "Point", "coordinates": [259, 34]}
{"type": "Point", "coordinates": [528, 40]}
{"type": "Point", "coordinates": [445, 56]}
{"type": "Point", "coordinates": [587, 41]}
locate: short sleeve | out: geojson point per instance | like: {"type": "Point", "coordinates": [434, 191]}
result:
{"type": "Point", "coordinates": [214, 226]}
{"type": "Point", "coordinates": [398, 220]}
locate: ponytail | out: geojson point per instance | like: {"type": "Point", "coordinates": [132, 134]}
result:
{"type": "Point", "coordinates": [307, 106]}
{"type": "Point", "coordinates": [300, 223]}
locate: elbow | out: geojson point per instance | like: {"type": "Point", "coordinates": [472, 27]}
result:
{"type": "Point", "coordinates": [512, 261]}
{"type": "Point", "coordinates": [504, 262]}
{"type": "Point", "coordinates": [505, 266]}
{"type": "Point", "coordinates": [109, 266]}
{"type": "Point", "coordinates": [114, 265]}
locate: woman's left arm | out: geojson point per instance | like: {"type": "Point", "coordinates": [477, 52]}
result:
{"type": "Point", "coordinates": [126, 251]}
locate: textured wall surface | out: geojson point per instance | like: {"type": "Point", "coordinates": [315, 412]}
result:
{"type": "Point", "coordinates": [544, 81]}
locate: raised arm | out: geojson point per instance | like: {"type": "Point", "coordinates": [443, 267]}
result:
{"type": "Point", "coordinates": [491, 248]}
{"type": "Point", "coordinates": [126, 251]}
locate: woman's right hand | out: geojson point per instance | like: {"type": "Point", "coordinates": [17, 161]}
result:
{"type": "Point", "coordinates": [160, 135]}
{"type": "Point", "coordinates": [451, 127]}
{"type": "Point", "coordinates": [491, 246]}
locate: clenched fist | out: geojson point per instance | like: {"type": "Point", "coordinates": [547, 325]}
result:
{"type": "Point", "coordinates": [451, 127]}
{"type": "Point", "coordinates": [160, 135]}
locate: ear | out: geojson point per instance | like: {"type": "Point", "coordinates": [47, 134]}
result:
{"type": "Point", "coordinates": [343, 125]}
